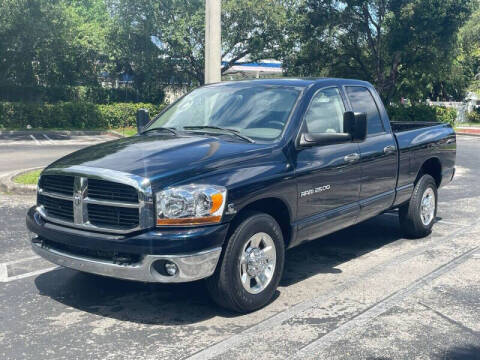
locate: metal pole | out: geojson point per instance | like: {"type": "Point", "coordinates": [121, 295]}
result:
{"type": "Point", "coordinates": [213, 41]}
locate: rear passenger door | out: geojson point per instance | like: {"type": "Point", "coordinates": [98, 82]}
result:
{"type": "Point", "coordinates": [378, 155]}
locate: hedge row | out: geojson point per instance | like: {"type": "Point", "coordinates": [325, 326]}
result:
{"type": "Point", "coordinates": [71, 115]}
{"type": "Point", "coordinates": [422, 113]}
{"type": "Point", "coordinates": [94, 94]}
{"type": "Point", "coordinates": [85, 115]}
{"type": "Point", "coordinates": [474, 116]}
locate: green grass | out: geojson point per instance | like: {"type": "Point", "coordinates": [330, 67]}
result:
{"type": "Point", "coordinates": [467, 124]}
{"type": "Point", "coordinates": [126, 131]}
{"type": "Point", "coordinates": [28, 178]}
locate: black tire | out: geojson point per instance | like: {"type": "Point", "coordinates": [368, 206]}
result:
{"type": "Point", "coordinates": [225, 286]}
{"type": "Point", "coordinates": [410, 214]}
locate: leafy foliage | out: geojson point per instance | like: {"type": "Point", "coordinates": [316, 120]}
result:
{"type": "Point", "coordinates": [71, 115]}
{"type": "Point", "coordinates": [423, 113]}
{"type": "Point", "coordinates": [60, 50]}
{"type": "Point", "coordinates": [48, 43]}
{"type": "Point", "coordinates": [469, 47]}
{"type": "Point", "coordinates": [95, 94]}
{"type": "Point", "coordinates": [399, 45]}
{"type": "Point", "coordinates": [163, 42]}
{"type": "Point", "coordinates": [124, 114]}
{"type": "Point", "coordinates": [474, 116]}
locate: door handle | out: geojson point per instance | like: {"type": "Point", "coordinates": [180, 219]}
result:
{"type": "Point", "coordinates": [389, 149]}
{"type": "Point", "coordinates": [352, 157]}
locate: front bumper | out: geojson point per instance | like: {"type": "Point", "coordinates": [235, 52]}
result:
{"type": "Point", "coordinates": [195, 251]}
{"type": "Point", "coordinates": [190, 267]}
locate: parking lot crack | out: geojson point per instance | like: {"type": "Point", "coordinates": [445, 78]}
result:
{"type": "Point", "coordinates": [283, 316]}
{"type": "Point", "coordinates": [314, 348]}
{"type": "Point", "coordinates": [450, 320]}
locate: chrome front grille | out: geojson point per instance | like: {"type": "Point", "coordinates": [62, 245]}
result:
{"type": "Point", "coordinates": [62, 209]}
{"type": "Point", "coordinates": [57, 183]}
{"type": "Point", "coordinates": [96, 199]}
{"type": "Point", "coordinates": [101, 215]}
{"type": "Point", "coordinates": [107, 190]}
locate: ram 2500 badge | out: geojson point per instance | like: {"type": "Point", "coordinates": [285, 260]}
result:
{"type": "Point", "coordinates": [228, 177]}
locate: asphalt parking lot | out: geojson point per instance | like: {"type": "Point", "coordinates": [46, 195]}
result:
{"type": "Point", "coordinates": [26, 150]}
{"type": "Point", "coordinates": [362, 293]}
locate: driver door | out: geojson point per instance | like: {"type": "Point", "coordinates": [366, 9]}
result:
{"type": "Point", "coordinates": [328, 177]}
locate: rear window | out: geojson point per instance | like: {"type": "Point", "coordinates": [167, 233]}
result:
{"type": "Point", "coordinates": [362, 101]}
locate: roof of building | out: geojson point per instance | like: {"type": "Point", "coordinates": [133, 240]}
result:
{"type": "Point", "coordinates": [296, 82]}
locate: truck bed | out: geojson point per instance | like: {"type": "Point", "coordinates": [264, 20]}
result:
{"type": "Point", "coordinates": [400, 126]}
{"type": "Point", "coordinates": [420, 141]}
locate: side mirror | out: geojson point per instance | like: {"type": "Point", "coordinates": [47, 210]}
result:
{"type": "Point", "coordinates": [309, 139]}
{"type": "Point", "coordinates": [143, 118]}
{"type": "Point", "coordinates": [355, 124]}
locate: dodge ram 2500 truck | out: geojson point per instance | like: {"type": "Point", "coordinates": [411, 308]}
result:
{"type": "Point", "coordinates": [231, 175]}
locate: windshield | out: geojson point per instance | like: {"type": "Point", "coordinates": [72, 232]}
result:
{"type": "Point", "coordinates": [255, 111]}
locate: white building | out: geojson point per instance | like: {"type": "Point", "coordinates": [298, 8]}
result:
{"type": "Point", "coordinates": [239, 71]}
{"type": "Point", "coordinates": [254, 70]}
{"type": "Point", "coordinates": [473, 101]}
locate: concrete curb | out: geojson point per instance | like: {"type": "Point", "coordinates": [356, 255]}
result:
{"type": "Point", "coordinates": [7, 184]}
{"type": "Point", "coordinates": [468, 134]}
{"type": "Point", "coordinates": [115, 133]}
{"type": "Point", "coordinates": [63, 132]}
{"type": "Point", "coordinates": [470, 131]}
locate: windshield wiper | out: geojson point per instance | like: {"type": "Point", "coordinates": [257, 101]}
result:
{"type": "Point", "coordinates": [225, 130]}
{"type": "Point", "coordinates": [160, 128]}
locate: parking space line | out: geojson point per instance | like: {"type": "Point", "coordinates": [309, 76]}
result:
{"type": "Point", "coordinates": [4, 269]}
{"type": "Point", "coordinates": [282, 316]}
{"type": "Point", "coordinates": [34, 139]}
{"type": "Point", "coordinates": [44, 139]}
{"type": "Point", "coordinates": [21, 260]}
{"type": "Point", "coordinates": [312, 350]}
{"type": "Point", "coordinates": [29, 274]}
{"type": "Point", "coordinates": [48, 139]}
{"type": "Point", "coordinates": [3, 273]}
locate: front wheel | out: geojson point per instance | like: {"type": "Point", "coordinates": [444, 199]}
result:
{"type": "Point", "coordinates": [251, 265]}
{"type": "Point", "coordinates": [418, 215]}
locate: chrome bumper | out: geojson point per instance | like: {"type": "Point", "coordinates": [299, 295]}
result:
{"type": "Point", "coordinates": [190, 267]}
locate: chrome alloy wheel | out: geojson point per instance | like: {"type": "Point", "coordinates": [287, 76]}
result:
{"type": "Point", "coordinates": [257, 262]}
{"type": "Point", "coordinates": [427, 206]}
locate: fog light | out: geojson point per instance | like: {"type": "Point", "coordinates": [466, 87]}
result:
{"type": "Point", "coordinates": [38, 218]}
{"type": "Point", "coordinates": [171, 268]}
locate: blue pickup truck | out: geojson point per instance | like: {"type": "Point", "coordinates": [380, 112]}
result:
{"type": "Point", "coordinates": [230, 176]}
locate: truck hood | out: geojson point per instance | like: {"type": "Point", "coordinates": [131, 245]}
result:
{"type": "Point", "coordinates": [165, 158]}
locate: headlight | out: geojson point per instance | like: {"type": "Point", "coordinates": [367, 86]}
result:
{"type": "Point", "coordinates": [191, 205]}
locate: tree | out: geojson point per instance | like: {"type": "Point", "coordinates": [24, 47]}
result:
{"type": "Point", "coordinates": [48, 43]}
{"type": "Point", "coordinates": [33, 43]}
{"type": "Point", "coordinates": [255, 29]}
{"type": "Point", "coordinates": [469, 44]}
{"type": "Point", "coordinates": [399, 45]}
{"type": "Point", "coordinates": [90, 24]}
{"type": "Point", "coordinates": [166, 39]}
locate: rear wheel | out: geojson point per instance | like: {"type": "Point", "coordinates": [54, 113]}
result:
{"type": "Point", "coordinates": [251, 265]}
{"type": "Point", "coordinates": [418, 215]}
